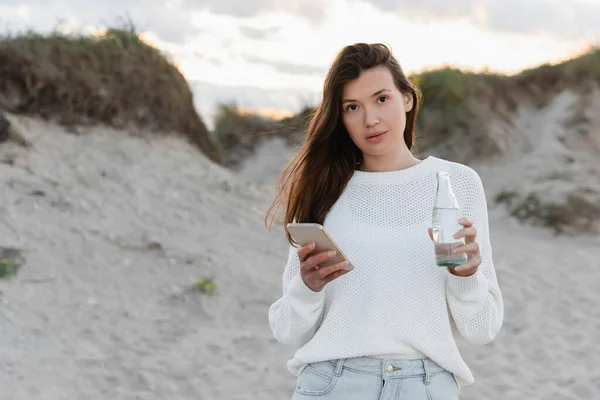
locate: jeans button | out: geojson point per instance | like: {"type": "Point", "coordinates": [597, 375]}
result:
{"type": "Point", "coordinates": [390, 368]}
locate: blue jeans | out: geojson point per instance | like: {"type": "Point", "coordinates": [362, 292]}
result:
{"type": "Point", "coordinates": [365, 378]}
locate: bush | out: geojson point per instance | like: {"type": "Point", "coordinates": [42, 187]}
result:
{"type": "Point", "coordinates": [577, 72]}
{"type": "Point", "coordinates": [577, 214]}
{"type": "Point", "coordinates": [239, 133]}
{"type": "Point", "coordinates": [457, 105]}
{"type": "Point", "coordinates": [506, 197]}
{"type": "Point", "coordinates": [114, 78]}
{"type": "Point", "coordinates": [555, 216]}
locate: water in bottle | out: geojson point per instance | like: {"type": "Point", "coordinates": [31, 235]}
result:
{"type": "Point", "coordinates": [445, 224]}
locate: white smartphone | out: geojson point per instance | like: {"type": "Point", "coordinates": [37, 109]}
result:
{"type": "Point", "coordinates": [305, 233]}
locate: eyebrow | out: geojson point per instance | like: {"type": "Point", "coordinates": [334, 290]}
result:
{"type": "Point", "coordinates": [373, 95]}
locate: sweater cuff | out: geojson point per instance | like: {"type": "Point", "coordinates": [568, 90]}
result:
{"type": "Point", "coordinates": [298, 290]}
{"type": "Point", "coordinates": [467, 286]}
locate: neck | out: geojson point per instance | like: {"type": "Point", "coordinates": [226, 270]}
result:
{"type": "Point", "coordinates": [381, 164]}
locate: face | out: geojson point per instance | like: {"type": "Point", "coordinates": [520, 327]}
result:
{"type": "Point", "coordinates": [374, 114]}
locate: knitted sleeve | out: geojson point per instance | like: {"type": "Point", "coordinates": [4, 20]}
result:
{"type": "Point", "coordinates": [475, 302]}
{"type": "Point", "coordinates": [294, 317]}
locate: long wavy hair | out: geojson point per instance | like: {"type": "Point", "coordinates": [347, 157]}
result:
{"type": "Point", "coordinates": [316, 176]}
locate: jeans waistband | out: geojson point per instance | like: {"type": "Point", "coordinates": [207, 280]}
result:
{"type": "Point", "coordinates": [389, 369]}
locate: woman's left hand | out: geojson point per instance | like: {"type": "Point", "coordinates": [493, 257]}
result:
{"type": "Point", "coordinates": [471, 247]}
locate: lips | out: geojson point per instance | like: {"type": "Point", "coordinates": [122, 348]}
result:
{"type": "Point", "coordinates": [374, 135]}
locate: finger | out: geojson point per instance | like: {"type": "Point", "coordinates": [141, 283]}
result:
{"type": "Point", "coordinates": [334, 275]}
{"type": "Point", "coordinates": [466, 222]}
{"type": "Point", "coordinates": [474, 263]}
{"type": "Point", "coordinates": [430, 231]}
{"type": "Point", "coordinates": [463, 270]}
{"type": "Point", "coordinates": [467, 233]}
{"type": "Point", "coordinates": [467, 248]}
{"type": "Point", "coordinates": [308, 267]}
{"type": "Point", "coordinates": [320, 257]}
{"type": "Point", "coordinates": [325, 271]}
{"type": "Point", "coordinates": [305, 250]}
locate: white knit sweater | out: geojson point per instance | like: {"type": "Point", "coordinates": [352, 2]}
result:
{"type": "Point", "coordinates": [396, 303]}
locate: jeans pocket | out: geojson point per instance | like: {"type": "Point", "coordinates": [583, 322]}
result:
{"type": "Point", "coordinates": [457, 384]}
{"type": "Point", "coordinates": [444, 386]}
{"type": "Point", "coordinates": [317, 379]}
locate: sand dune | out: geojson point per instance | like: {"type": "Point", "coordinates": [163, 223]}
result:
{"type": "Point", "coordinates": [117, 226]}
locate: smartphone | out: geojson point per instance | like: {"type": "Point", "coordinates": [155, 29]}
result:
{"type": "Point", "coordinates": [305, 233]}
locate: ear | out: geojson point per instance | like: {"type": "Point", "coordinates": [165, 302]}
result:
{"type": "Point", "coordinates": [408, 102]}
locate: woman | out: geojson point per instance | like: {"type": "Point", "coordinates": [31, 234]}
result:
{"type": "Point", "coordinates": [384, 327]}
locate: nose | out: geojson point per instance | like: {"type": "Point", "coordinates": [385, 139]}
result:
{"type": "Point", "coordinates": [371, 118]}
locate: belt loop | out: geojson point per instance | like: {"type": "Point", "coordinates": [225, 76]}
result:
{"type": "Point", "coordinates": [426, 367]}
{"type": "Point", "coordinates": [338, 367]}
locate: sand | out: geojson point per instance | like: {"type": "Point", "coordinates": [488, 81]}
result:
{"type": "Point", "coordinates": [117, 226]}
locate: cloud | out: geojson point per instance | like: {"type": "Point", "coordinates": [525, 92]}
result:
{"type": "Point", "coordinates": [234, 8]}
{"type": "Point", "coordinates": [172, 20]}
{"type": "Point", "coordinates": [567, 20]}
{"type": "Point", "coordinates": [438, 8]}
{"type": "Point", "coordinates": [288, 68]}
{"type": "Point", "coordinates": [313, 10]}
{"type": "Point", "coordinates": [210, 60]}
{"type": "Point", "coordinates": [258, 34]}
{"type": "Point", "coordinates": [171, 24]}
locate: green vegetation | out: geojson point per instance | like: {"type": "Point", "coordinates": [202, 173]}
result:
{"type": "Point", "coordinates": [456, 93]}
{"type": "Point", "coordinates": [456, 108]}
{"type": "Point", "coordinates": [577, 213]}
{"type": "Point", "coordinates": [204, 285]}
{"type": "Point", "coordinates": [457, 105]}
{"type": "Point", "coordinates": [239, 133]}
{"type": "Point", "coordinates": [559, 176]}
{"type": "Point", "coordinates": [230, 123]}
{"type": "Point", "coordinates": [114, 78]}
{"type": "Point", "coordinates": [530, 208]}
{"type": "Point", "coordinates": [506, 197]}
{"type": "Point", "coordinates": [300, 120]}
{"type": "Point", "coordinates": [117, 78]}
{"type": "Point", "coordinates": [578, 73]}
{"type": "Point", "coordinates": [11, 261]}
{"type": "Point", "coordinates": [549, 215]}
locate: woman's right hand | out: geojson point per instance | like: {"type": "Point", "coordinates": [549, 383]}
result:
{"type": "Point", "coordinates": [314, 276]}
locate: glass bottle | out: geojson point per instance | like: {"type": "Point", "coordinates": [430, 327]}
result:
{"type": "Point", "coordinates": [445, 224]}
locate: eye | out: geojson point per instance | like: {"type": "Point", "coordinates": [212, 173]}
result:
{"type": "Point", "coordinates": [350, 107]}
{"type": "Point", "coordinates": [383, 99]}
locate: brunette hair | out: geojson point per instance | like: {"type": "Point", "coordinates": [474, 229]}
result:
{"type": "Point", "coordinates": [315, 177]}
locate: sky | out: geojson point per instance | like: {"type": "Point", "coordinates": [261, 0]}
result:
{"type": "Point", "coordinates": [272, 55]}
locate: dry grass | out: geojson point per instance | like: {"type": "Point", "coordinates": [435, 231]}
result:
{"type": "Point", "coordinates": [115, 78]}
{"type": "Point", "coordinates": [457, 105]}
{"type": "Point", "coordinates": [456, 111]}
{"type": "Point", "coordinates": [238, 134]}
{"type": "Point", "coordinates": [577, 214]}
{"type": "Point", "coordinates": [574, 74]}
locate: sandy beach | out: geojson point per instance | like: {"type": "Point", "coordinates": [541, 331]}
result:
{"type": "Point", "coordinates": [116, 226]}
